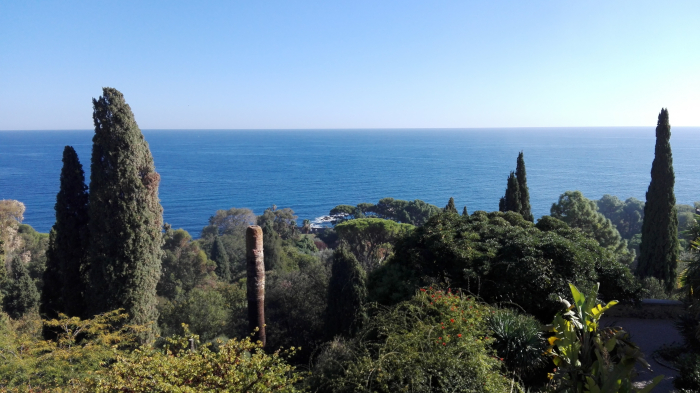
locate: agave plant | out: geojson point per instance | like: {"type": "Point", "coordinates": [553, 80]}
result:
{"type": "Point", "coordinates": [590, 358]}
{"type": "Point", "coordinates": [519, 341]}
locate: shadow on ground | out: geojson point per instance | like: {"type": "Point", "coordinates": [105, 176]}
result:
{"type": "Point", "coordinates": [650, 335]}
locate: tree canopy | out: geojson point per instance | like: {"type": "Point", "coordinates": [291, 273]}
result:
{"type": "Point", "coordinates": [371, 239]}
{"type": "Point", "coordinates": [579, 212]}
{"type": "Point", "coordinates": [627, 216]}
{"type": "Point", "coordinates": [502, 258]}
{"type": "Point", "coordinates": [414, 212]}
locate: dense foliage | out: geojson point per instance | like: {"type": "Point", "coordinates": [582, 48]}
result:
{"type": "Point", "coordinates": [519, 341]}
{"type": "Point", "coordinates": [579, 212]}
{"type": "Point", "coordinates": [504, 259]}
{"type": "Point", "coordinates": [184, 264]}
{"type": "Point", "coordinates": [414, 212]}
{"type": "Point", "coordinates": [22, 295]}
{"type": "Point", "coordinates": [437, 341]}
{"type": "Point", "coordinates": [658, 255]}
{"type": "Point", "coordinates": [347, 294]}
{"type": "Point", "coordinates": [185, 366]}
{"type": "Point", "coordinates": [80, 347]}
{"type": "Point", "coordinates": [627, 216]}
{"type": "Point", "coordinates": [371, 239]}
{"type": "Point", "coordinates": [689, 374]}
{"type": "Point", "coordinates": [97, 355]}
{"type": "Point", "coordinates": [126, 217]}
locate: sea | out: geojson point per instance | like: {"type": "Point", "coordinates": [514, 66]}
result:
{"type": "Point", "coordinates": [311, 171]}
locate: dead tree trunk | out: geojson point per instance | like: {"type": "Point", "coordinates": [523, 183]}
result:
{"type": "Point", "coordinates": [256, 281]}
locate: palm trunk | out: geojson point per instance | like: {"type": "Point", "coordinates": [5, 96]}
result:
{"type": "Point", "coordinates": [256, 281]}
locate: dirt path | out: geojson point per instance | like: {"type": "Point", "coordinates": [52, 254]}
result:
{"type": "Point", "coordinates": [650, 334]}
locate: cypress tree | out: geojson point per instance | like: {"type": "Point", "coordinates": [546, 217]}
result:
{"type": "Point", "coordinates": [658, 255]}
{"type": "Point", "coordinates": [511, 201]}
{"type": "Point", "coordinates": [502, 203]}
{"type": "Point", "coordinates": [272, 247]}
{"type": "Point", "coordinates": [219, 255]}
{"type": "Point", "coordinates": [126, 217]}
{"type": "Point", "coordinates": [451, 208]}
{"type": "Point", "coordinates": [464, 212]}
{"type": "Point", "coordinates": [22, 295]}
{"type": "Point", "coordinates": [64, 284]}
{"type": "Point", "coordinates": [347, 293]}
{"type": "Point", "coordinates": [521, 175]}
{"type": "Point", "coordinates": [3, 273]}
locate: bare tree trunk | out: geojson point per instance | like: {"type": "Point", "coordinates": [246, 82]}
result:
{"type": "Point", "coordinates": [256, 281]}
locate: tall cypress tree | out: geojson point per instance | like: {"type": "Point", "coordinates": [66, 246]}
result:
{"type": "Point", "coordinates": [220, 256]}
{"type": "Point", "coordinates": [22, 295]}
{"type": "Point", "coordinates": [64, 284]}
{"type": "Point", "coordinates": [521, 175]}
{"type": "Point", "coordinates": [511, 201]}
{"type": "Point", "coordinates": [451, 208]}
{"type": "Point", "coordinates": [3, 273]}
{"type": "Point", "coordinates": [347, 293]}
{"type": "Point", "coordinates": [126, 217]}
{"type": "Point", "coordinates": [464, 212]}
{"type": "Point", "coordinates": [658, 256]}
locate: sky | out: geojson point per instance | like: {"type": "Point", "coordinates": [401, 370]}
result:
{"type": "Point", "coordinates": [351, 64]}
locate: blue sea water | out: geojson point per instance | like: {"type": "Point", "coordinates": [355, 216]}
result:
{"type": "Point", "coordinates": [311, 171]}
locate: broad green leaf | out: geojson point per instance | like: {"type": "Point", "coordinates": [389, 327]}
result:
{"type": "Point", "coordinates": [579, 299]}
{"type": "Point", "coordinates": [653, 383]}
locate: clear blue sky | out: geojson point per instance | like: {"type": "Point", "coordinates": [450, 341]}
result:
{"type": "Point", "coordinates": [351, 64]}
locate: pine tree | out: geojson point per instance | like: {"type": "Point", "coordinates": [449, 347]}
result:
{"type": "Point", "coordinates": [451, 208]}
{"type": "Point", "coordinates": [658, 255]}
{"type": "Point", "coordinates": [126, 217]}
{"type": "Point", "coordinates": [64, 284]}
{"type": "Point", "coordinates": [511, 201]}
{"type": "Point", "coordinates": [347, 293]}
{"type": "Point", "coordinates": [22, 295]}
{"type": "Point", "coordinates": [464, 212]}
{"type": "Point", "coordinates": [521, 175]}
{"type": "Point", "coordinates": [219, 255]}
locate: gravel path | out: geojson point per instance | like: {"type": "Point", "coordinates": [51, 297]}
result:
{"type": "Point", "coordinates": [650, 334]}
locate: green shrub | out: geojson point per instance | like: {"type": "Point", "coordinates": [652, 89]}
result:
{"type": "Point", "coordinates": [520, 342]}
{"type": "Point", "coordinates": [688, 379]}
{"type": "Point", "coordinates": [184, 366]}
{"type": "Point", "coordinates": [502, 258]}
{"type": "Point", "coordinates": [80, 348]}
{"type": "Point", "coordinates": [295, 302]}
{"type": "Point", "coordinates": [205, 310]}
{"type": "Point", "coordinates": [436, 342]}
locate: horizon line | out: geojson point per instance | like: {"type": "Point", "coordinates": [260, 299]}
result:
{"type": "Point", "coordinates": [348, 129]}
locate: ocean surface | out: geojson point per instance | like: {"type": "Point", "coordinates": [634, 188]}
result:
{"type": "Point", "coordinates": [311, 171]}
